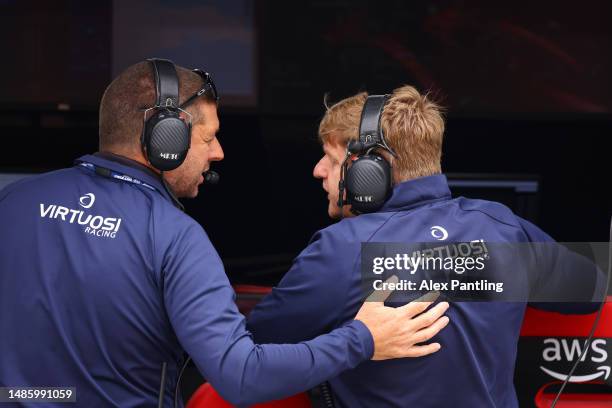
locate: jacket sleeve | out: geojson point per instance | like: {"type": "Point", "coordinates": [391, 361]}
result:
{"type": "Point", "coordinates": [563, 280]}
{"type": "Point", "coordinates": [200, 305]}
{"type": "Point", "coordinates": [312, 297]}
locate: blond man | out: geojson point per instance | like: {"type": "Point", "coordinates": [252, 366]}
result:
{"type": "Point", "coordinates": [322, 290]}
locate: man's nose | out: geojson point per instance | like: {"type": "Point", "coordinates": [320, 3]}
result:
{"type": "Point", "coordinates": [217, 152]}
{"type": "Point", "coordinates": [319, 170]}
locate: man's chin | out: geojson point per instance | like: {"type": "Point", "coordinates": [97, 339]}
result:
{"type": "Point", "coordinates": [333, 211]}
{"type": "Point", "coordinates": [337, 213]}
{"type": "Point", "coordinates": [188, 193]}
{"type": "Point", "coordinates": [194, 193]}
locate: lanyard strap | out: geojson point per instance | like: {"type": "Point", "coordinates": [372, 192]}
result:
{"type": "Point", "coordinates": [113, 174]}
{"type": "Point", "coordinates": [104, 172]}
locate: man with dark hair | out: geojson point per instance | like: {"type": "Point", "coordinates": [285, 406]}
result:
{"type": "Point", "coordinates": [104, 282]}
{"type": "Point", "coordinates": [121, 123]}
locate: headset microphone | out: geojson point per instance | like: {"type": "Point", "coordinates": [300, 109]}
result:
{"type": "Point", "coordinates": [211, 177]}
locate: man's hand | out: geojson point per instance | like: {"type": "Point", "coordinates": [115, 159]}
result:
{"type": "Point", "coordinates": [396, 331]}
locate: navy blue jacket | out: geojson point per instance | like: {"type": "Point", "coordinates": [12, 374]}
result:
{"type": "Point", "coordinates": [322, 290]}
{"type": "Point", "coordinates": [102, 279]}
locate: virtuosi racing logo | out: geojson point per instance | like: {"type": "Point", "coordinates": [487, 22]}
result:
{"type": "Point", "coordinates": [439, 233]}
{"type": "Point", "coordinates": [87, 200]}
{"type": "Point", "coordinates": [96, 225]}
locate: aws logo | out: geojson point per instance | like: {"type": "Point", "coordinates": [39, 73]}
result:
{"type": "Point", "coordinates": [569, 350]}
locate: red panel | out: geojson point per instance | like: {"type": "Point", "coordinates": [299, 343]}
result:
{"type": "Point", "coordinates": [252, 289]}
{"type": "Point", "coordinates": [550, 324]}
{"type": "Point", "coordinates": [545, 399]}
{"type": "Point", "coordinates": [207, 397]}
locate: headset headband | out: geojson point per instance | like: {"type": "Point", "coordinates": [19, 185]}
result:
{"type": "Point", "coordinates": [166, 83]}
{"type": "Point", "coordinates": [370, 133]}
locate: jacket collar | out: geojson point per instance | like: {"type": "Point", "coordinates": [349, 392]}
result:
{"type": "Point", "coordinates": [128, 167]}
{"type": "Point", "coordinates": [417, 192]}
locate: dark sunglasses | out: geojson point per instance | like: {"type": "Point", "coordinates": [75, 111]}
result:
{"type": "Point", "coordinates": [209, 88]}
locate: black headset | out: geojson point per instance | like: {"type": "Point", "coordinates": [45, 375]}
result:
{"type": "Point", "coordinates": [166, 136]}
{"type": "Point", "coordinates": [367, 179]}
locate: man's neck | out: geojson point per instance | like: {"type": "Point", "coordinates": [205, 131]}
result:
{"type": "Point", "coordinates": [138, 158]}
{"type": "Point", "coordinates": [133, 161]}
{"type": "Point", "coordinates": [129, 161]}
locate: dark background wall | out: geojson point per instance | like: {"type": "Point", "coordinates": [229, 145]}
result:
{"type": "Point", "coordinates": [526, 89]}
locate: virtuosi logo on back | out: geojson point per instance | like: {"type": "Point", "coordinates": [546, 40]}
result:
{"type": "Point", "coordinates": [95, 225]}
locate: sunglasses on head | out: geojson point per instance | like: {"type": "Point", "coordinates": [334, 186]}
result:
{"type": "Point", "coordinates": [209, 89]}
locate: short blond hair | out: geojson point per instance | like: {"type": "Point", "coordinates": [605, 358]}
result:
{"type": "Point", "coordinates": [412, 124]}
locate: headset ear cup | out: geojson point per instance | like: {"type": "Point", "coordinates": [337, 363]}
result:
{"type": "Point", "coordinates": [167, 139]}
{"type": "Point", "coordinates": [368, 183]}
{"type": "Point", "coordinates": [166, 136]}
